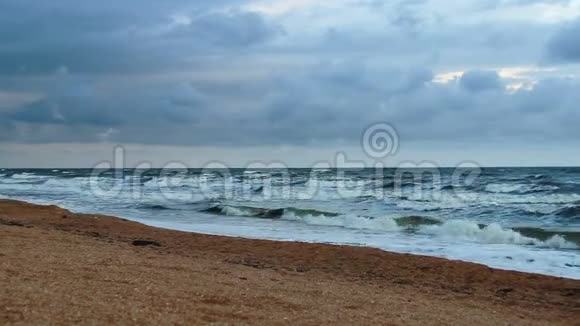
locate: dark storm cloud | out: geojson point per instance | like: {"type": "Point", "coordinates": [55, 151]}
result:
{"type": "Point", "coordinates": [478, 80]}
{"type": "Point", "coordinates": [116, 37]}
{"type": "Point", "coordinates": [134, 113]}
{"type": "Point", "coordinates": [238, 29]}
{"type": "Point", "coordinates": [463, 33]}
{"type": "Point", "coordinates": [163, 104]}
{"type": "Point", "coordinates": [318, 103]}
{"type": "Point", "coordinates": [336, 108]}
{"type": "Point", "coordinates": [565, 45]}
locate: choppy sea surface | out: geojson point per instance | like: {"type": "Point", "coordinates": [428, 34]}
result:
{"type": "Point", "coordinates": [525, 219]}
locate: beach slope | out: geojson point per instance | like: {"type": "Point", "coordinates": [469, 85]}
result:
{"type": "Point", "coordinates": [59, 267]}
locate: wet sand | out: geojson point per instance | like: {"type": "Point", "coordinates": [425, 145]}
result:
{"type": "Point", "coordinates": [57, 267]}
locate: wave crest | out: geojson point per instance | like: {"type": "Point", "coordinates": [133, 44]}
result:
{"type": "Point", "coordinates": [494, 234]}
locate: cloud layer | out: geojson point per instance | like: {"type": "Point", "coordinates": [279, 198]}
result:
{"type": "Point", "coordinates": [218, 73]}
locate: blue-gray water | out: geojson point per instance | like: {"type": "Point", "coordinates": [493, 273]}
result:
{"type": "Point", "coordinates": [525, 219]}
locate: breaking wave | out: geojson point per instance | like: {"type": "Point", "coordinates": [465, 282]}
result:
{"type": "Point", "coordinates": [495, 234]}
{"type": "Point", "coordinates": [514, 188]}
{"type": "Point", "coordinates": [245, 211]}
{"type": "Point", "coordinates": [454, 229]}
{"type": "Point", "coordinates": [24, 175]}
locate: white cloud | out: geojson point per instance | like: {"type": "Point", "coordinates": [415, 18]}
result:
{"type": "Point", "coordinates": [447, 77]}
{"type": "Point", "coordinates": [282, 7]}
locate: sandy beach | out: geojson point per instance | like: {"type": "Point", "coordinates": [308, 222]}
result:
{"type": "Point", "coordinates": [57, 267]}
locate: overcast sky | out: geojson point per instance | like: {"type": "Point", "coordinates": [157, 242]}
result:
{"type": "Point", "coordinates": [496, 82]}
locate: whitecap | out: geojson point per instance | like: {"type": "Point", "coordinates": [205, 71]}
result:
{"type": "Point", "coordinates": [492, 234]}
{"type": "Point", "coordinates": [345, 221]}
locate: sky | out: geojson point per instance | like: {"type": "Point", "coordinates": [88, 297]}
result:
{"type": "Point", "coordinates": [493, 82]}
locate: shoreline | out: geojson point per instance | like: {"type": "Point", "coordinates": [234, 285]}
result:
{"type": "Point", "coordinates": [62, 267]}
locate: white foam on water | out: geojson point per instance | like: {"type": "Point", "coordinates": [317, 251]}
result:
{"type": "Point", "coordinates": [492, 234]}
{"type": "Point", "coordinates": [518, 188]}
{"type": "Point", "coordinates": [237, 211]}
{"type": "Point", "coordinates": [542, 209]}
{"type": "Point", "coordinates": [172, 182]}
{"type": "Point", "coordinates": [24, 175]}
{"type": "Point", "coordinates": [431, 205]}
{"type": "Point", "coordinates": [505, 187]}
{"type": "Point", "coordinates": [462, 230]}
{"type": "Point", "coordinates": [529, 198]}
{"type": "Point", "coordinates": [344, 221]}
{"type": "Point", "coordinates": [326, 190]}
{"type": "Point", "coordinates": [78, 181]}
{"type": "Point", "coordinates": [22, 181]}
{"type": "Point", "coordinates": [427, 201]}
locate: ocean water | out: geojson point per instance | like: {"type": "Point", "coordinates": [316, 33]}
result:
{"type": "Point", "coordinates": [524, 219]}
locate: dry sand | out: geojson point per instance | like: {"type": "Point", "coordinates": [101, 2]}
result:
{"type": "Point", "coordinates": [57, 267]}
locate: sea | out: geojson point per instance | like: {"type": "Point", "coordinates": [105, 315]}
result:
{"type": "Point", "coordinates": [522, 219]}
